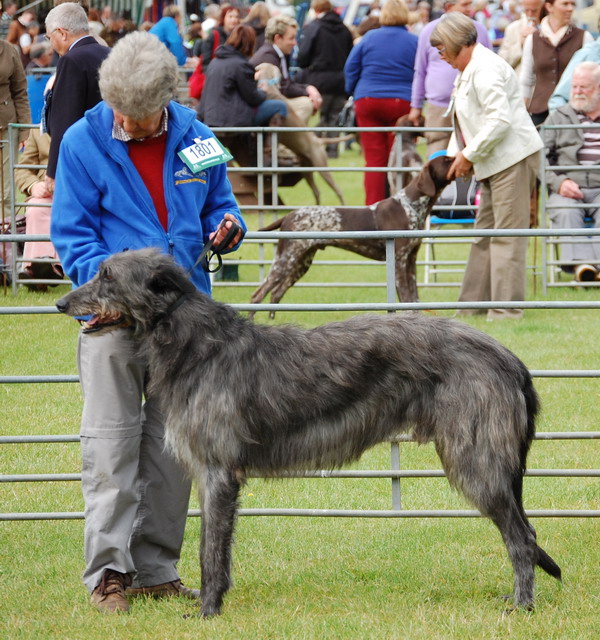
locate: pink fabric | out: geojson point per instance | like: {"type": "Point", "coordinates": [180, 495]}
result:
{"type": "Point", "coordinates": [378, 112]}
{"type": "Point", "coordinates": [37, 221]}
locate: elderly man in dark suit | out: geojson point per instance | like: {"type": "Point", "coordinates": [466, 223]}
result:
{"type": "Point", "coordinates": [76, 86]}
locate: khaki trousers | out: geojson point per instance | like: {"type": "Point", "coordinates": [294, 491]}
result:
{"type": "Point", "coordinates": [496, 268]}
{"type": "Point", "coordinates": [437, 140]}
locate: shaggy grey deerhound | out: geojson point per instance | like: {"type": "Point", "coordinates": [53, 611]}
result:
{"type": "Point", "coordinates": [242, 398]}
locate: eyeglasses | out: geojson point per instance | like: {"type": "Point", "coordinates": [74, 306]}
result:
{"type": "Point", "coordinates": [49, 35]}
{"type": "Point", "coordinates": [442, 51]}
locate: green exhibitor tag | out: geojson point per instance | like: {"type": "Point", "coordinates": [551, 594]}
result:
{"type": "Point", "coordinates": [204, 153]}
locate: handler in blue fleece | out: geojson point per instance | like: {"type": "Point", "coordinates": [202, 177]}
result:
{"type": "Point", "coordinates": [121, 184]}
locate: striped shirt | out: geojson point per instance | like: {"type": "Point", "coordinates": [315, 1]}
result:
{"type": "Point", "coordinates": [590, 151]}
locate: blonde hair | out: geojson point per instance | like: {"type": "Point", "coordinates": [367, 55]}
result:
{"type": "Point", "coordinates": [394, 13]}
{"type": "Point", "coordinates": [454, 32]}
{"type": "Point", "coordinates": [259, 10]}
{"type": "Point", "coordinates": [277, 26]}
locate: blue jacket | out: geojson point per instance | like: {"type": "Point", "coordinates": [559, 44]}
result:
{"type": "Point", "coordinates": [167, 32]}
{"type": "Point", "coordinates": [381, 65]}
{"type": "Point", "coordinates": [101, 205]}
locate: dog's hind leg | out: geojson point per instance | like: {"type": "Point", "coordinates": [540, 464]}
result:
{"type": "Point", "coordinates": [521, 545]}
{"type": "Point", "coordinates": [219, 492]}
{"type": "Point", "coordinates": [310, 178]}
{"type": "Point", "coordinates": [406, 272]}
{"type": "Point", "coordinates": [295, 269]}
{"type": "Point", "coordinates": [289, 265]}
{"type": "Point", "coordinates": [331, 182]}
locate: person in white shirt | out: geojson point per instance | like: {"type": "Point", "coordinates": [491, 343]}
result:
{"type": "Point", "coordinates": [495, 138]}
{"type": "Point", "coordinates": [515, 33]}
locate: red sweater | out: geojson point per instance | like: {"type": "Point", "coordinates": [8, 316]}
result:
{"type": "Point", "coordinates": [148, 158]}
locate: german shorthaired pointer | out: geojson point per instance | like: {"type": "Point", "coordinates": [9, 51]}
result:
{"type": "Point", "coordinates": [406, 210]}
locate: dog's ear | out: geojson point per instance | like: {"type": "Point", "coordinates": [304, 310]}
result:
{"type": "Point", "coordinates": [170, 279]}
{"type": "Point", "coordinates": [425, 181]}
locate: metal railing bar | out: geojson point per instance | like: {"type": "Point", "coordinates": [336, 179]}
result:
{"type": "Point", "coordinates": [347, 475]}
{"type": "Point", "coordinates": [370, 306]}
{"type": "Point", "coordinates": [378, 235]}
{"type": "Point", "coordinates": [331, 513]}
{"type": "Point", "coordinates": [540, 435]}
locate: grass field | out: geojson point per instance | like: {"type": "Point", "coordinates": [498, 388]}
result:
{"type": "Point", "coordinates": [315, 577]}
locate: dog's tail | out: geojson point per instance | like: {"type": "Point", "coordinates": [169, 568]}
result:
{"type": "Point", "coordinates": [273, 225]}
{"type": "Point", "coordinates": [545, 562]}
{"type": "Point", "coordinates": [532, 403]}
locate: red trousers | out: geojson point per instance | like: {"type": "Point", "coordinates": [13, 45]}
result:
{"type": "Point", "coordinates": [378, 112]}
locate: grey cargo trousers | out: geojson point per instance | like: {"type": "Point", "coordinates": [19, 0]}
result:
{"type": "Point", "coordinates": [136, 495]}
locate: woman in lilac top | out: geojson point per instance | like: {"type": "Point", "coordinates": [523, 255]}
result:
{"type": "Point", "coordinates": [379, 74]}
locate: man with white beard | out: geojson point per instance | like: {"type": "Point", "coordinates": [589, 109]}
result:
{"type": "Point", "coordinates": [571, 188]}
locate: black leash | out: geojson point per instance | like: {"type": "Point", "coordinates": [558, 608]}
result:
{"type": "Point", "coordinates": [215, 250]}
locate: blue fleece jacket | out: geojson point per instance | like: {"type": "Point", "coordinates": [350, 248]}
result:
{"type": "Point", "coordinates": [381, 65]}
{"type": "Point", "coordinates": [167, 31]}
{"type": "Point", "coordinates": [101, 205]}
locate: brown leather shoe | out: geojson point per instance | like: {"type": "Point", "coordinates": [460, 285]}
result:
{"type": "Point", "coordinates": [165, 590]}
{"type": "Point", "coordinates": [109, 595]}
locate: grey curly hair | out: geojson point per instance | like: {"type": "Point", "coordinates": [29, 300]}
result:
{"type": "Point", "coordinates": [139, 77]}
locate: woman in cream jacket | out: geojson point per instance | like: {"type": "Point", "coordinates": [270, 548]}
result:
{"type": "Point", "coordinates": [495, 138]}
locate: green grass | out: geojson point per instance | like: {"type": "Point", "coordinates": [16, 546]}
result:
{"type": "Point", "coordinates": [314, 577]}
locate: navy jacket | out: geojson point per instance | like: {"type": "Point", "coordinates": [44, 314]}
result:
{"type": "Point", "coordinates": [75, 90]}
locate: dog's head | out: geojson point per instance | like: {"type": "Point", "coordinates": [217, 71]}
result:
{"type": "Point", "coordinates": [434, 176]}
{"type": "Point", "coordinates": [134, 288]}
{"type": "Point", "coordinates": [268, 78]}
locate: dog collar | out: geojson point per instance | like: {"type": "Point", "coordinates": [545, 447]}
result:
{"type": "Point", "coordinates": [171, 309]}
{"type": "Point", "coordinates": [437, 154]}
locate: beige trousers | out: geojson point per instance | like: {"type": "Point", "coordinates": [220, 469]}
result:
{"type": "Point", "coordinates": [496, 269]}
{"type": "Point", "coordinates": [437, 140]}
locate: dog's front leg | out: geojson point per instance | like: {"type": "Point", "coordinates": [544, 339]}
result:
{"type": "Point", "coordinates": [406, 273]}
{"type": "Point", "coordinates": [219, 507]}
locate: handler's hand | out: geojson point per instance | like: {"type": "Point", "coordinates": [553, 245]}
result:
{"type": "Point", "coordinates": [219, 235]}
{"type": "Point", "coordinates": [460, 167]}
{"type": "Point", "coordinates": [40, 190]}
{"type": "Point", "coordinates": [49, 184]}
{"type": "Point", "coordinates": [315, 97]}
{"type": "Point", "coordinates": [414, 116]}
{"type": "Point", "coordinates": [570, 189]}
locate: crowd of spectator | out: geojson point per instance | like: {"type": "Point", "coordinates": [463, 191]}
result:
{"type": "Point", "coordinates": [385, 63]}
